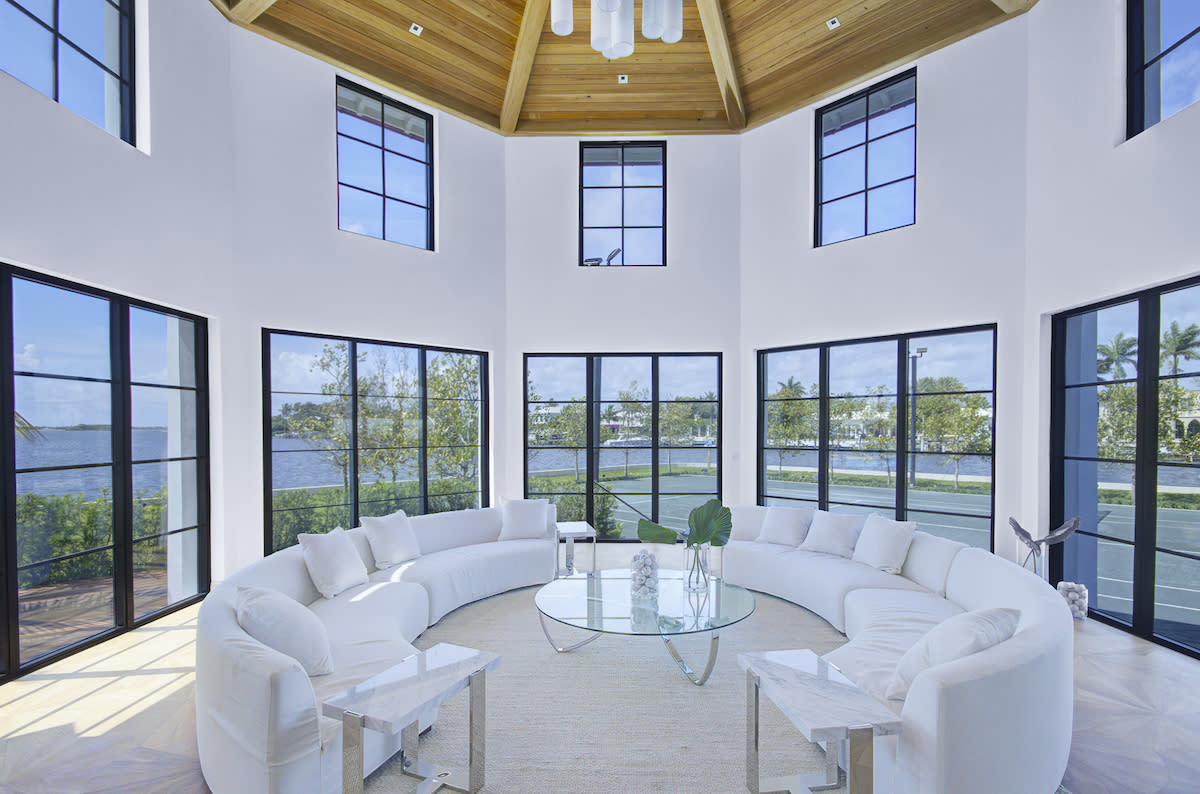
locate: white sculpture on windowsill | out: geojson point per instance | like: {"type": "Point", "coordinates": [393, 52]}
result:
{"type": "Point", "coordinates": [1077, 598]}
{"type": "Point", "coordinates": [1036, 545]}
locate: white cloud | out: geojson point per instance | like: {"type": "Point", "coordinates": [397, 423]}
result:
{"type": "Point", "coordinates": [28, 358]}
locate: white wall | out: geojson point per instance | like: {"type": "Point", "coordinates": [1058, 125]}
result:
{"type": "Point", "coordinates": [556, 306]}
{"type": "Point", "coordinates": [961, 263]}
{"type": "Point", "coordinates": [1029, 201]}
{"type": "Point", "coordinates": [1105, 215]}
{"type": "Point", "coordinates": [233, 217]}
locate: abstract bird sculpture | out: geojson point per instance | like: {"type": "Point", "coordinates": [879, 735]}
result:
{"type": "Point", "coordinates": [1035, 545]}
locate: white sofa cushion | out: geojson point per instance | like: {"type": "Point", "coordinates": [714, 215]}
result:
{"type": "Point", "coordinates": [883, 543]}
{"type": "Point", "coordinates": [459, 576]}
{"type": "Point", "coordinates": [286, 626]}
{"type": "Point", "coordinates": [833, 533]}
{"type": "Point", "coordinates": [333, 562]}
{"type": "Point", "coordinates": [523, 518]}
{"type": "Point", "coordinates": [871, 607]}
{"type": "Point", "coordinates": [747, 521]}
{"type": "Point", "coordinates": [440, 531]}
{"type": "Point", "coordinates": [954, 638]}
{"type": "Point", "coordinates": [391, 538]}
{"type": "Point", "coordinates": [929, 559]}
{"type": "Point", "coordinates": [786, 526]}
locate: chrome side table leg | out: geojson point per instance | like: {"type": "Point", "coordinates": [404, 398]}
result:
{"type": "Point", "coordinates": [352, 753]}
{"type": "Point", "coordinates": [477, 753]}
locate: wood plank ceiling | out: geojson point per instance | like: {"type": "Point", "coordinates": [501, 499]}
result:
{"type": "Point", "coordinates": [740, 63]}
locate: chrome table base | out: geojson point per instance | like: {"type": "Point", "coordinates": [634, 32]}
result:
{"type": "Point", "coordinates": [698, 680]}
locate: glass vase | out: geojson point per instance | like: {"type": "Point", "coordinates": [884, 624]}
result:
{"type": "Point", "coordinates": [695, 568]}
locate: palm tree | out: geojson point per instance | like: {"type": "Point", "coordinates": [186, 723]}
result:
{"type": "Point", "coordinates": [1112, 357]}
{"type": "Point", "coordinates": [1180, 343]}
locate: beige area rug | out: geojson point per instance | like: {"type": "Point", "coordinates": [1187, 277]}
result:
{"type": "Point", "coordinates": [615, 715]}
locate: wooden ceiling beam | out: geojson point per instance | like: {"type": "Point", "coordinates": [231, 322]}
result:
{"type": "Point", "coordinates": [532, 22]}
{"type": "Point", "coordinates": [1014, 6]}
{"type": "Point", "coordinates": [246, 11]}
{"type": "Point", "coordinates": [712, 18]}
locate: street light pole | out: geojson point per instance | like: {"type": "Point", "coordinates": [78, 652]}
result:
{"type": "Point", "coordinates": [912, 413]}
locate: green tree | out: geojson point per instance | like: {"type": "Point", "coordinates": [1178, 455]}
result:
{"type": "Point", "coordinates": [793, 421]}
{"type": "Point", "coordinates": [1116, 423]}
{"type": "Point", "coordinates": [1180, 343]}
{"type": "Point", "coordinates": [453, 426]}
{"type": "Point", "coordinates": [676, 427]}
{"type": "Point", "coordinates": [1111, 358]}
{"type": "Point", "coordinates": [950, 422]}
{"type": "Point", "coordinates": [634, 416]}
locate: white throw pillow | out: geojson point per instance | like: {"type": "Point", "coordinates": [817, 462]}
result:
{"type": "Point", "coordinates": [333, 562]}
{"type": "Point", "coordinates": [787, 526]}
{"type": "Point", "coordinates": [285, 625]}
{"type": "Point", "coordinates": [953, 638]}
{"type": "Point", "coordinates": [524, 518]}
{"type": "Point", "coordinates": [883, 543]}
{"type": "Point", "coordinates": [392, 539]}
{"type": "Point", "coordinates": [833, 533]}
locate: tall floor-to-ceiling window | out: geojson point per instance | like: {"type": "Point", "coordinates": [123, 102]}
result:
{"type": "Point", "coordinates": [614, 438]}
{"type": "Point", "coordinates": [364, 428]}
{"type": "Point", "coordinates": [899, 425]}
{"type": "Point", "coordinates": [1126, 459]}
{"type": "Point", "coordinates": [105, 465]}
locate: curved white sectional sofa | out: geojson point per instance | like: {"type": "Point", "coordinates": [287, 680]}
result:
{"type": "Point", "coordinates": [258, 721]}
{"type": "Point", "coordinates": [996, 721]}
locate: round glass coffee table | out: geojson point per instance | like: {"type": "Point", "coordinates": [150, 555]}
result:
{"type": "Point", "coordinates": [599, 602]}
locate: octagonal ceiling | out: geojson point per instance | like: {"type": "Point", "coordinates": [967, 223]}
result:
{"type": "Point", "coordinates": [740, 63]}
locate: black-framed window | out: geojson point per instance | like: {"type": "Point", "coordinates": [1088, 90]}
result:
{"type": "Point", "coordinates": [1163, 50]}
{"type": "Point", "coordinates": [622, 204]}
{"type": "Point", "coordinates": [385, 167]}
{"type": "Point", "coordinates": [358, 427]}
{"type": "Point", "coordinates": [897, 425]}
{"type": "Point", "coordinates": [615, 437]}
{"type": "Point", "coordinates": [80, 54]}
{"type": "Point", "coordinates": [1125, 434]}
{"type": "Point", "coordinates": [867, 161]}
{"type": "Point", "coordinates": [105, 461]}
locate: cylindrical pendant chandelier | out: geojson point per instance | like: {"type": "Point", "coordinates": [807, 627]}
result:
{"type": "Point", "coordinates": [562, 17]}
{"type": "Point", "coordinates": [622, 32]}
{"type": "Point", "coordinates": [602, 27]}
{"type": "Point", "coordinates": [652, 19]}
{"type": "Point", "coordinates": [672, 21]}
{"type": "Point", "coordinates": [610, 5]}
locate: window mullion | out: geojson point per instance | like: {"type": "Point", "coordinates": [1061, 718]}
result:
{"type": "Point", "coordinates": [10, 662]}
{"type": "Point", "coordinates": [654, 439]}
{"type": "Point", "coordinates": [1145, 466]}
{"type": "Point", "coordinates": [903, 422]}
{"type": "Point", "coordinates": [352, 458]}
{"type": "Point", "coordinates": [593, 423]}
{"type": "Point", "coordinates": [423, 455]}
{"type": "Point", "coordinates": [823, 432]}
{"type": "Point", "coordinates": [122, 468]}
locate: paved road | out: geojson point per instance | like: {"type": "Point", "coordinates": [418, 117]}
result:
{"type": "Point", "coordinates": [1177, 585]}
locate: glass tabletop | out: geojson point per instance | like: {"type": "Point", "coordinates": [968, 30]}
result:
{"type": "Point", "coordinates": [600, 601]}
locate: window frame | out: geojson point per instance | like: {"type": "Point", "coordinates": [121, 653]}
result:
{"type": "Point", "coordinates": [353, 504]}
{"type": "Point", "coordinates": [1145, 463]}
{"type": "Point", "coordinates": [126, 76]}
{"type": "Point", "coordinates": [818, 171]}
{"type": "Point", "coordinates": [1136, 66]}
{"type": "Point", "coordinates": [903, 421]}
{"type": "Point", "coordinates": [593, 402]}
{"type": "Point", "coordinates": [623, 145]}
{"type": "Point", "coordinates": [125, 617]}
{"type": "Point", "coordinates": [342, 82]}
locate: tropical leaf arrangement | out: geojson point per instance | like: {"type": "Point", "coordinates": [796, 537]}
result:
{"type": "Point", "coordinates": [710, 523]}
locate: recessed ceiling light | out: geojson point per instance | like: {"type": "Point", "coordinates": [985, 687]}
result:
{"type": "Point", "coordinates": [622, 79]}
{"type": "Point", "coordinates": [833, 23]}
{"type": "Point", "coordinates": [416, 29]}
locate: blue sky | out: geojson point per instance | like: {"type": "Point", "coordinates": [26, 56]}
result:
{"type": "Point", "coordinates": [679, 376]}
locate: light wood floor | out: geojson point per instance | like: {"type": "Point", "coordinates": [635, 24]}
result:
{"type": "Point", "coordinates": [120, 716]}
